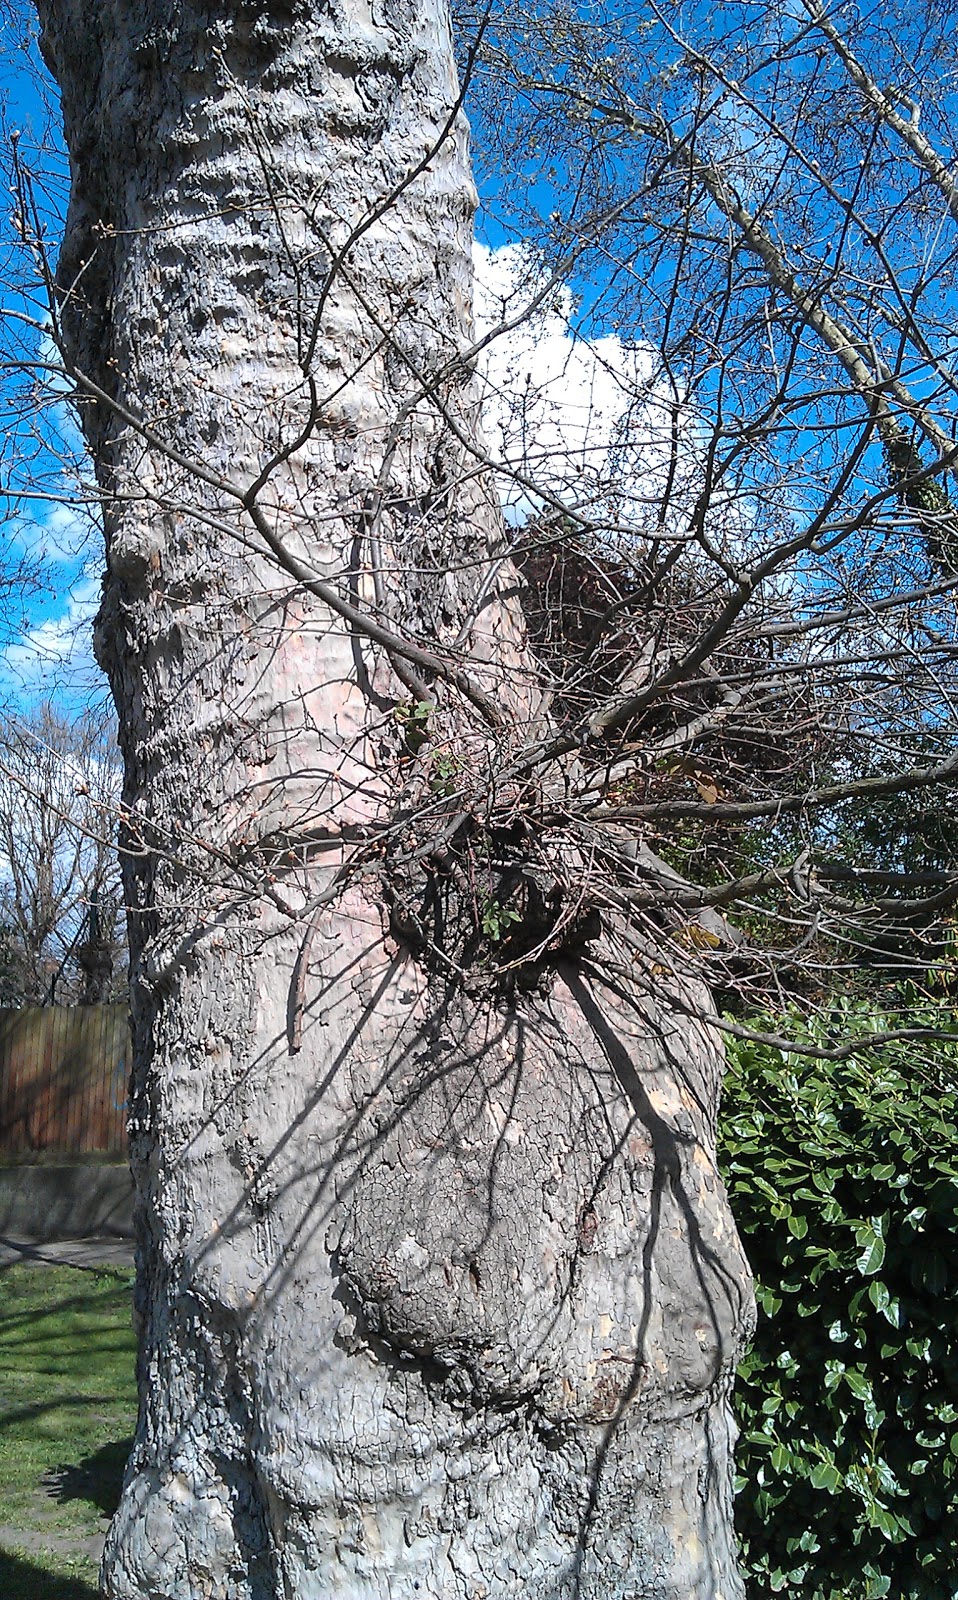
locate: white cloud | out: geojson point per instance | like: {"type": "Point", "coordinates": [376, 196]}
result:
{"type": "Point", "coordinates": [58, 651]}
{"type": "Point", "coordinates": [584, 420]}
{"type": "Point", "coordinates": [60, 533]}
{"type": "Point", "coordinates": [594, 423]}
{"type": "Point", "coordinates": [554, 404]}
{"type": "Point", "coordinates": [55, 523]}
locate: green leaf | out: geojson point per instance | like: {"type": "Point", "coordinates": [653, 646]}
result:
{"type": "Point", "coordinates": [894, 1528]}
{"type": "Point", "coordinates": [855, 1365]}
{"type": "Point", "coordinates": [826, 1476]}
{"type": "Point", "coordinates": [877, 1586]}
{"type": "Point", "coordinates": [858, 1384]}
{"type": "Point", "coordinates": [882, 1300]}
{"type": "Point", "coordinates": [872, 1249]}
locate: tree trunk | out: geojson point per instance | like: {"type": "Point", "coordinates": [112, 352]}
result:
{"type": "Point", "coordinates": [439, 1291]}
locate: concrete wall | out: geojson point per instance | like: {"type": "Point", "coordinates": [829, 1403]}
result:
{"type": "Point", "coordinates": [66, 1201]}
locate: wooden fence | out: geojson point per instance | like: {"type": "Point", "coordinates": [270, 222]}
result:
{"type": "Point", "coordinates": [63, 1080]}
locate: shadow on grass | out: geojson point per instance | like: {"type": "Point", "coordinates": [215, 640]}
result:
{"type": "Point", "coordinates": [21, 1580]}
{"type": "Point", "coordinates": [96, 1479]}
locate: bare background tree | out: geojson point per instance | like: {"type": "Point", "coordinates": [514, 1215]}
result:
{"type": "Point", "coordinates": [60, 895]}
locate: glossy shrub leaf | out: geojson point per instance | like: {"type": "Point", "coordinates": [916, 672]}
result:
{"type": "Point", "coordinates": [844, 1181]}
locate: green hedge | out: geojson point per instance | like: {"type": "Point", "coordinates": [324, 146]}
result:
{"type": "Point", "coordinates": [844, 1180]}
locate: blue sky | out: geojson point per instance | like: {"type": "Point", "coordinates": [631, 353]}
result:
{"type": "Point", "coordinates": [52, 655]}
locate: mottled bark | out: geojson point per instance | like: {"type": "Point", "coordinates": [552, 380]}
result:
{"type": "Point", "coordinates": [439, 1290]}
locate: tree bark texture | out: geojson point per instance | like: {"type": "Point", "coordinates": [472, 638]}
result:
{"type": "Point", "coordinates": [438, 1287]}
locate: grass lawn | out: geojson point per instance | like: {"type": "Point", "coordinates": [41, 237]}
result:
{"type": "Point", "coordinates": [67, 1412]}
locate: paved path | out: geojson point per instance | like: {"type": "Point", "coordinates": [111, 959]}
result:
{"type": "Point", "coordinates": [89, 1253]}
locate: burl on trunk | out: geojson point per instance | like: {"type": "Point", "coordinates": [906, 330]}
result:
{"type": "Point", "coordinates": [439, 1291]}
